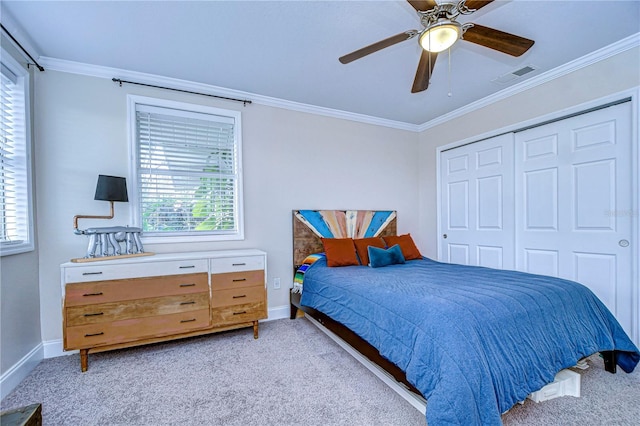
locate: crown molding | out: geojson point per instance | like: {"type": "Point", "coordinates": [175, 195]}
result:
{"type": "Point", "coordinates": [107, 72]}
{"type": "Point", "coordinates": [584, 61]}
{"type": "Point", "coordinates": [62, 65]}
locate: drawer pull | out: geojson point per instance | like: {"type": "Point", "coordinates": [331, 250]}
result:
{"type": "Point", "coordinates": [189, 320]}
{"type": "Point", "coordinates": [93, 294]}
{"type": "Point", "coordinates": [188, 303]}
{"type": "Point", "coordinates": [238, 264]}
{"type": "Point", "coordinates": [240, 297]}
{"type": "Point", "coordinates": [188, 285]}
{"type": "Point", "coordinates": [97, 314]}
{"type": "Point", "coordinates": [187, 267]}
{"type": "Point", "coordinates": [239, 279]}
{"type": "Point", "coordinates": [92, 273]}
{"type": "Point", "coordinates": [94, 334]}
{"type": "Point", "coordinates": [240, 313]}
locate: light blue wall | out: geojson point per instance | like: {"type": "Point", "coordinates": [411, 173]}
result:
{"type": "Point", "coordinates": [20, 331]}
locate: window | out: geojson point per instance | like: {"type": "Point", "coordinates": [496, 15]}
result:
{"type": "Point", "coordinates": [187, 171]}
{"type": "Point", "coordinates": [15, 180]}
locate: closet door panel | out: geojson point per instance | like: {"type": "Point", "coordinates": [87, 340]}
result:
{"type": "Point", "coordinates": [573, 188]}
{"type": "Point", "coordinates": [476, 204]}
{"type": "Point", "coordinates": [540, 199]}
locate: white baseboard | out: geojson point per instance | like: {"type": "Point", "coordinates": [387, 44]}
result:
{"type": "Point", "coordinates": [279, 312]}
{"type": "Point", "coordinates": [53, 348]}
{"type": "Point", "coordinates": [17, 373]}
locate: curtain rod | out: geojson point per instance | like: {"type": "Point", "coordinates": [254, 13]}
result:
{"type": "Point", "coordinates": [244, 101]}
{"type": "Point", "coordinates": [40, 68]}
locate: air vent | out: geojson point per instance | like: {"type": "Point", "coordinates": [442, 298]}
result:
{"type": "Point", "coordinates": [523, 71]}
{"type": "Point", "coordinates": [513, 75]}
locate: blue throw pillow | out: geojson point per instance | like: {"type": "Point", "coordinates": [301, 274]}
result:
{"type": "Point", "coordinates": [380, 257]}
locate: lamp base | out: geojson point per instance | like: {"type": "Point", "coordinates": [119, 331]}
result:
{"type": "Point", "coordinates": [120, 256]}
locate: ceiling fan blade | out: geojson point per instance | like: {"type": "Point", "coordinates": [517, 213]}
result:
{"type": "Point", "coordinates": [350, 57]}
{"type": "Point", "coordinates": [422, 5]}
{"type": "Point", "coordinates": [498, 40]}
{"type": "Point", "coordinates": [425, 69]}
{"type": "Point", "coordinates": [477, 4]}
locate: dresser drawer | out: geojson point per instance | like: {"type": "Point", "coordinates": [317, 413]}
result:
{"type": "Point", "coordinates": [238, 313]}
{"type": "Point", "coordinates": [237, 279]}
{"type": "Point", "coordinates": [139, 308]}
{"type": "Point", "coordinates": [135, 288]}
{"type": "Point", "coordinates": [234, 264]}
{"type": "Point", "coordinates": [132, 270]}
{"type": "Point", "coordinates": [237, 296]}
{"type": "Point", "coordinates": [93, 335]}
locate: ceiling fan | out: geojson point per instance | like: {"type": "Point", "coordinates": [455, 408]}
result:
{"type": "Point", "coordinates": [441, 31]}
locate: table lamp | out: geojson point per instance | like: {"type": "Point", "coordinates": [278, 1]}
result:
{"type": "Point", "coordinates": [109, 188]}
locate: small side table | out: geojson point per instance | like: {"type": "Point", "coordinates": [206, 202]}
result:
{"type": "Point", "coordinates": [31, 415]}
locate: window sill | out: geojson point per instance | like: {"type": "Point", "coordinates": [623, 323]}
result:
{"type": "Point", "coordinates": [8, 249]}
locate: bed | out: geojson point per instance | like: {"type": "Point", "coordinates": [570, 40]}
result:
{"type": "Point", "coordinates": [472, 341]}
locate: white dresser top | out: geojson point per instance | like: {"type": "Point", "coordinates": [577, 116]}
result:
{"type": "Point", "coordinates": [163, 257]}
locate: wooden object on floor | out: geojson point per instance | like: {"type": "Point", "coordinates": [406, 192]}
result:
{"type": "Point", "coordinates": [31, 415]}
{"type": "Point", "coordinates": [139, 300]}
{"type": "Point", "coordinates": [610, 361]}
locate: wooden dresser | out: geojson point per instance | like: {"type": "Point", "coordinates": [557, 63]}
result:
{"type": "Point", "coordinates": [119, 303]}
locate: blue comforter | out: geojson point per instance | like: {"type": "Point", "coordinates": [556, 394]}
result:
{"type": "Point", "coordinates": [474, 341]}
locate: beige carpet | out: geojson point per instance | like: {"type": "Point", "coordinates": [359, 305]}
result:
{"type": "Point", "coordinates": [293, 374]}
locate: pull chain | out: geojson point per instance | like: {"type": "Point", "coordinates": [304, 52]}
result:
{"type": "Point", "coordinates": [449, 94]}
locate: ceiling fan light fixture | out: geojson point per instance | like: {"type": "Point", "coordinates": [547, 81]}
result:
{"type": "Point", "coordinates": [440, 36]}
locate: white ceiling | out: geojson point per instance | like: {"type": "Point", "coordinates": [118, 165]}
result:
{"type": "Point", "coordinates": [289, 49]}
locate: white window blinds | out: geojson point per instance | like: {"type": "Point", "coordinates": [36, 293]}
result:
{"type": "Point", "coordinates": [187, 172]}
{"type": "Point", "coordinates": [14, 182]}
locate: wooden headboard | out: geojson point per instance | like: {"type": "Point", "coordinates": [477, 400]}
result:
{"type": "Point", "coordinates": [309, 226]}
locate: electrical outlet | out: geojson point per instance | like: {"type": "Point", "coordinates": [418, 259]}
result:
{"type": "Point", "coordinates": [276, 283]}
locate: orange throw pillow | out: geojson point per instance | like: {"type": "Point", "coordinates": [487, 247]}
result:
{"type": "Point", "coordinates": [340, 251]}
{"type": "Point", "coordinates": [408, 247]}
{"type": "Point", "coordinates": [363, 243]}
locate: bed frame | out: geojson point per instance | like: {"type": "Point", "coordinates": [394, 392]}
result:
{"type": "Point", "coordinates": [307, 240]}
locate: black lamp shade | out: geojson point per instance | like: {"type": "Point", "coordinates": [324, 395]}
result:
{"type": "Point", "coordinates": [111, 188]}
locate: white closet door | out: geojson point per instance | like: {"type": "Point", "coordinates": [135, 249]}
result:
{"type": "Point", "coordinates": [477, 213]}
{"type": "Point", "coordinates": [573, 204]}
